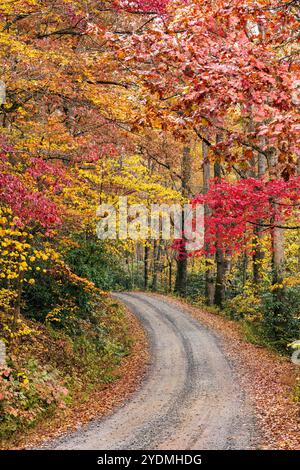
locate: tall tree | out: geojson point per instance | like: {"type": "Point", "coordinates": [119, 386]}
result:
{"type": "Point", "coordinates": [182, 258]}
{"type": "Point", "coordinates": [209, 272]}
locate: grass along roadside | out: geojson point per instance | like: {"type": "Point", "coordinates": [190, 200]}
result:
{"type": "Point", "coordinates": [81, 382]}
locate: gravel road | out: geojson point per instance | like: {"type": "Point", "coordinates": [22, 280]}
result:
{"type": "Point", "coordinates": [190, 399]}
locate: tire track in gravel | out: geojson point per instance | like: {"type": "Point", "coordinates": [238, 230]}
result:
{"type": "Point", "coordinates": [190, 398]}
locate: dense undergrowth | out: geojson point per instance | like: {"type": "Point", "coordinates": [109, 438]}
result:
{"type": "Point", "coordinates": [68, 338]}
{"type": "Point", "coordinates": [53, 366]}
{"type": "Point", "coordinates": [265, 321]}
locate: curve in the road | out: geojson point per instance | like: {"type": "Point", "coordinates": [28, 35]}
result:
{"type": "Point", "coordinates": [190, 398]}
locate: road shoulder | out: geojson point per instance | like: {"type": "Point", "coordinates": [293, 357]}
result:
{"type": "Point", "coordinates": [266, 378]}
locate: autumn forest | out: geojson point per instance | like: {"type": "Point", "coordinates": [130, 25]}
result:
{"type": "Point", "coordinates": [162, 102]}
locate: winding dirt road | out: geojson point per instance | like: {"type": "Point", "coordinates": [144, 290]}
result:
{"type": "Point", "coordinates": [190, 398]}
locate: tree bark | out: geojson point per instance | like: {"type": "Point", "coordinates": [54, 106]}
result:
{"type": "Point", "coordinates": [209, 273]}
{"type": "Point", "coordinates": [181, 277]}
{"type": "Point", "coordinates": [156, 258]}
{"type": "Point", "coordinates": [258, 254]}
{"type": "Point", "coordinates": [182, 263]}
{"type": "Point", "coordinates": [277, 246]}
{"type": "Point", "coordinates": [220, 278]}
{"type": "Point", "coordinates": [170, 275]}
{"type": "Point", "coordinates": [277, 255]}
{"type": "Point", "coordinates": [220, 257]}
{"type": "Point", "coordinates": [146, 266]}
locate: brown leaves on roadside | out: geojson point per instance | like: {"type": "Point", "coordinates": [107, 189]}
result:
{"type": "Point", "coordinates": [265, 377]}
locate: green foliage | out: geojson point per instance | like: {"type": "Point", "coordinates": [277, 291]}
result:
{"type": "Point", "coordinates": [244, 306]}
{"type": "Point", "coordinates": [65, 299]}
{"type": "Point", "coordinates": [93, 260]}
{"type": "Point", "coordinates": [48, 295]}
{"type": "Point", "coordinates": [58, 364]}
{"type": "Point", "coordinates": [296, 396]}
{"type": "Point", "coordinates": [281, 317]}
{"type": "Point", "coordinates": [28, 395]}
{"type": "Point", "coordinates": [195, 287]}
{"type": "Point", "coordinates": [268, 319]}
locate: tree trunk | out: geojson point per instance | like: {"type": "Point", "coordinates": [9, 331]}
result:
{"type": "Point", "coordinates": [181, 277]}
{"type": "Point", "coordinates": [170, 275]}
{"type": "Point", "coordinates": [258, 255]}
{"type": "Point", "coordinates": [244, 268]}
{"type": "Point", "coordinates": [277, 247]}
{"type": "Point", "coordinates": [182, 263]}
{"type": "Point", "coordinates": [277, 276]}
{"type": "Point", "coordinates": [209, 273]}
{"type": "Point", "coordinates": [156, 258]}
{"type": "Point", "coordinates": [220, 258]}
{"type": "Point", "coordinates": [220, 278]}
{"type": "Point", "coordinates": [277, 255]}
{"type": "Point", "coordinates": [146, 266]}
